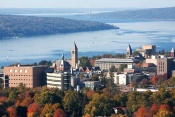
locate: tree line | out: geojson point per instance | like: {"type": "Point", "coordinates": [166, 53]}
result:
{"type": "Point", "coordinates": [20, 26]}
{"type": "Point", "coordinates": [48, 102]}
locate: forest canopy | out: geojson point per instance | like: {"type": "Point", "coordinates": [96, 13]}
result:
{"type": "Point", "coordinates": [20, 26]}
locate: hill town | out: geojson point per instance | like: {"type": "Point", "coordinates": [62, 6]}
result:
{"type": "Point", "coordinates": [138, 83]}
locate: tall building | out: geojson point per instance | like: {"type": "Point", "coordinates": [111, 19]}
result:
{"type": "Point", "coordinates": [164, 66]}
{"type": "Point", "coordinates": [74, 56]}
{"type": "Point", "coordinates": [128, 51]}
{"type": "Point", "coordinates": [147, 51]}
{"type": "Point", "coordinates": [31, 76]}
{"type": "Point", "coordinates": [59, 80]}
{"type": "Point", "coordinates": [172, 53]}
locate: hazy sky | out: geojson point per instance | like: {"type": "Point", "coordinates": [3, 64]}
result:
{"type": "Point", "coordinates": [86, 3]}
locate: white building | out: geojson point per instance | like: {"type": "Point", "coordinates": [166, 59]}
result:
{"type": "Point", "coordinates": [92, 84]}
{"type": "Point", "coordinates": [106, 63]}
{"type": "Point", "coordinates": [59, 80]}
{"type": "Point", "coordinates": [121, 79]}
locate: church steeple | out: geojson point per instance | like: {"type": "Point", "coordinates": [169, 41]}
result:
{"type": "Point", "coordinates": [62, 58]}
{"type": "Point", "coordinates": [62, 63]}
{"type": "Point", "coordinates": [75, 46]}
{"type": "Point", "coordinates": [74, 55]}
{"type": "Point", "coordinates": [172, 53]}
{"type": "Point", "coordinates": [128, 51]}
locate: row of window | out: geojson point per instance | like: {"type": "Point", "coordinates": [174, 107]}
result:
{"type": "Point", "coordinates": [20, 75]}
{"type": "Point", "coordinates": [22, 79]}
{"type": "Point", "coordinates": [20, 71]}
{"type": "Point", "coordinates": [24, 83]}
{"type": "Point", "coordinates": [54, 84]}
{"type": "Point", "coordinates": [161, 63]}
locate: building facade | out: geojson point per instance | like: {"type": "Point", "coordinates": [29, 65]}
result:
{"type": "Point", "coordinates": [164, 66]}
{"type": "Point", "coordinates": [30, 76]}
{"type": "Point", "coordinates": [121, 79]}
{"type": "Point", "coordinates": [59, 80]}
{"type": "Point", "coordinates": [106, 63]}
{"type": "Point", "coordinates": [147, 51]}
{"type": "Point", "coordinates": [92, 84]}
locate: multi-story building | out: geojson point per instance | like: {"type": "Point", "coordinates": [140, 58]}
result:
{"type": "Point", "coordinates": [147, 50]}
{"type": "Point", "coordinates": [121, 79]}
{"type": "Point", "coordinates": [31, 76]}
{"type": "Point", "coordinates": [59, 80]}
{"type": "Point", "coordinates": [164, 66]}
{"type": "Point", "coordinates": [75, 81]}
{"type": "Point", "coordinates": [106, 63]}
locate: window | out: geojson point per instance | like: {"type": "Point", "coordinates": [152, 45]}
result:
{"type": "Point", "coordinates": [10, 70]}
{"type": "Point", "coordinates": [25, 71]}
{"type": "Point", "coordinates": [20, 71]}
{"type": "Point", "coordinates": [16, 70]}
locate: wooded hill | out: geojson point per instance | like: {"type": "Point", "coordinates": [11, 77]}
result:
{"type": "Point", "coordinates": [20, 26]}
{"type": "Point", "coordinates": [143, 14]}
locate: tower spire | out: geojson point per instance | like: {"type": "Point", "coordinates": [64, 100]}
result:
{"type": "Point", "coordinates": [172, 53]}
{"type": "Point", "coordinates": [62, 58]}
{"type": "Point", "coordinates": [74, 55]}
{"type": "Point", "coordinates": [62, 63]}
{"type": "Point", "coordinates": [128, 51]}
{"type": "Point", "coordinates": [75, 46]}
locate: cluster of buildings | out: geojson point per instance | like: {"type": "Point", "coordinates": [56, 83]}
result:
{"type": "Point", "coordinates": [65, 74]}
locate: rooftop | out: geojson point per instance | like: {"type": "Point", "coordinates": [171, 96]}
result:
{"type": "Point", "coordinates": [124, 60]}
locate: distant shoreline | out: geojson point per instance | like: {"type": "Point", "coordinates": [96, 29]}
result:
{"type": "Point", "coordinates": [12, 26]}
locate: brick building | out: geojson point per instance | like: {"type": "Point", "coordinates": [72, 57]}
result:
{"type": "Point", "coordinates": [31, 76]}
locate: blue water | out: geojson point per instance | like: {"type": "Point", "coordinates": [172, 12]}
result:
{"type": "Point", "coordinates": [34, 49]}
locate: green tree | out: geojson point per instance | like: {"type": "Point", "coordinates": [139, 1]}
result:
{"type": "Point", "coordinates": [162, 97]}
{"type": "Point", "coordinates": [46, 97]}
{"type": "Point", "coordinates": [45, 62]}
{"type": "Point", "coordinates": [137, 99]}
{"type": "Point", "coordinates": [22, 88]}
{"type": "Point", "coordinates": [49, 109]}
{"type": "Point", "coordinates": [121, 67]}
{"type": "Point", "coordinates": [72, 103]}
{"type": "Point", "coordinates": [113, 69]}
{"type": "Point", "coordinates": [100, 105]}
{"type": "Point", "coordinates": [84, 61]}
{"type": "Point", "coordinates": [12, 96]}
{"type": "Point", "coordinates": [121, 99]}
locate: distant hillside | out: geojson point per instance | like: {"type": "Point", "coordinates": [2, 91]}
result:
{"type": "Point", "coordinates": [19, 26]}
{"type": "Point", "coordinates": [144, 14]}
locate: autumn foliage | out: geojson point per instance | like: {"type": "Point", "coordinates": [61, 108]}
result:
{"type": "Point", "coordinates": [90, 93]}
{"type": "Point", "coordinates": [142, 111]}
{"type": "Point", "coordinates": [11, 112]}
{"type": "Point", "coordinates": [34, 109]}
{"type": "Point", "coordinates": [59, 113]}
{"type": "Point", "coordinates": [154, 108]}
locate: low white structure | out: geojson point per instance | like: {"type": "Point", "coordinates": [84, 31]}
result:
{"type": "Point", "coordinates": [143, 90]}
{"type": "Point", "coordinates": [121, 79]}
{"type": "Point", "coordinates": [106, 63]}
{"type": "Point", "coordinates": [92, 84]}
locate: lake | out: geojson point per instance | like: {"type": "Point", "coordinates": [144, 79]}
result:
{"type": "Point", "coordinates": [33, 49]}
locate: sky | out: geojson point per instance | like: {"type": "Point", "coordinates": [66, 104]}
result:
{"type": "Point", "coordinates": [86, 3]}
